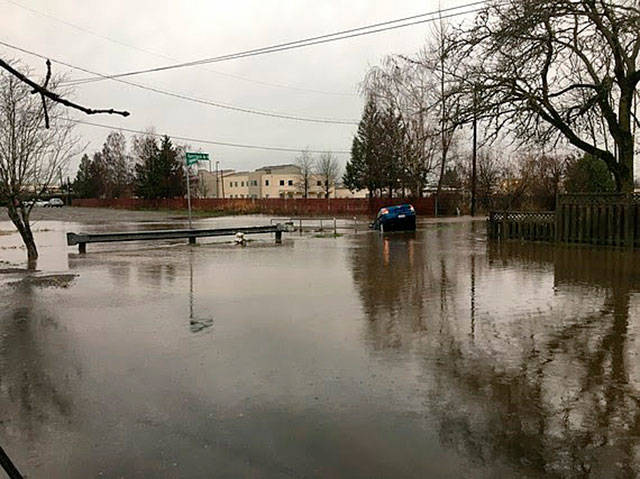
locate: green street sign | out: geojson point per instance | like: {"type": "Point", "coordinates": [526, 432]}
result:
{"type": "Point", "coordinates": [193, 158]}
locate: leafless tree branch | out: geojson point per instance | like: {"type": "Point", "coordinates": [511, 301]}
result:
{"type": "Point", "coordinates": [44, 92]}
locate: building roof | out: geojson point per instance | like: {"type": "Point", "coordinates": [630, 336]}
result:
{"type": "Point", "coordinates": [278, 167]}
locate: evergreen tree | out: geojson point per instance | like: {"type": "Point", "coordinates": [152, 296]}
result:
{"type": "Point", "coordinates": [170, 171]}
{"type": "Point", "coordinates": [365, 169]}
{"type": "Point", "coordinates": [146, 152]}
{"type": "Point", "coordinates": [84, 184]}
{"type": "Point", "coordinates": [588, 174]}
{"type": "Point", "coordinates": [354, 174]}
{"type": "Point", "coordinates": [159, 172]}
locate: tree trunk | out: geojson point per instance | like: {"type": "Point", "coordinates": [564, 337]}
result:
{"type": "Point", "coordinates": [21, 221]}
{"type": "Point", "coordinates": [625, 182]}
{"type": "Point", "coordinates": [625, 144]}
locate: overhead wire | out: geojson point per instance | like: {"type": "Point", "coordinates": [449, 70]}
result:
{"type": "Point", "coordinates": [206, 141]}
{"type": "Point", "coordinates": [387, 25]}
{"type": "Point", "coordinates": [316, 40]}
{"type": "Point", "coordinates": [182, 96]}
{"type": "Point", "coordinates": [167, 57]}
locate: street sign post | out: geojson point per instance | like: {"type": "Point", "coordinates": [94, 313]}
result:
{"type": "Point", "coordinates": [192, 158]}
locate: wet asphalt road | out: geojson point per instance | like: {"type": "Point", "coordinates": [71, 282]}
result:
{"type": "Point", "coordinates": [434, 354]}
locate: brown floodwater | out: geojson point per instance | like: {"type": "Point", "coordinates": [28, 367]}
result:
{"type": "Point", "coordinates": [433, 354]}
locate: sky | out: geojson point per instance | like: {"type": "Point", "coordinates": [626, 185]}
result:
{"type": "Point", "coordinates": [320, 81]}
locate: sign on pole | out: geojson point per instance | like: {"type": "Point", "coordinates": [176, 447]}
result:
{"type": "Point", "coordinates": [192, 159]}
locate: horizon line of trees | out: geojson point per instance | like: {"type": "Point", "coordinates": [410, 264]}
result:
{"type": "Point", "coordinates": [152, 169]}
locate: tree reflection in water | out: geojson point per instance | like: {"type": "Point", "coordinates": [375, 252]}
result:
{"type": "Point", "coordinates": [33, 385]}
{"type": "Point", "coordinates": [529, 350]}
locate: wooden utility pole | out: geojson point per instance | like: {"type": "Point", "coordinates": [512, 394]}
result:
{"type": "Point", "coordinates": [217, 179]}
{"type": "Point", "coordinates": [475, 152]}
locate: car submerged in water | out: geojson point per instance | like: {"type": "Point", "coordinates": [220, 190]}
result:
{"type": "Point", "coordinates": [395, 218]}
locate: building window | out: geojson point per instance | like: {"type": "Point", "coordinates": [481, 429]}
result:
{"type": "Point", "coordinates": [242, 183]}
{"type": "Point", "coordinates": [266, 182]}
{"type": "Point", "coordinates": [266, 196]}
{"type": "Point", "coordinates": [281, 182]}
{"type": "Point", "coordinates": [282, 195]}
{"type": "Point", "coordinates": [319, 183]}
{"type": "Point", "coordinates": [290, 182]}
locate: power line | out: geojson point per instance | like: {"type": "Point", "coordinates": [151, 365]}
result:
{"type": "Point", "coordinates": [181, 96]}
{"type": "Point", "coordinates": [271, 49]}
{"type": "Point", "coordinates": [160, 55]}
{"type": "Point", "coordinates": [208, 142]}
{"type": "Point", "coordinates": [317, 40]}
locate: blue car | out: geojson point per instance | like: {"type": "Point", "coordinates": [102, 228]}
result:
{"type": "Point", "coordinates": [395, 218]}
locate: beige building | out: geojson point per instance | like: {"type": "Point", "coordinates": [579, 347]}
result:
{"type": "Point", "coordinates": [279, 181]}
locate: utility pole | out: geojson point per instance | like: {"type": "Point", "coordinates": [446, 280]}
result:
{"type": "Point", "coordinates": [217, 179]}
{"type": "Point", "coordinates": [222, 181]}
{"type": "Point", "coordinates": [475, 151]}
{"type": "Point", "coordinates": [443, 117]}
{"type": "Point", "coordinates": [186, 167]}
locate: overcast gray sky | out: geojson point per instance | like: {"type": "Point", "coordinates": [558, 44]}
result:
{"type": "Point", "coordinates": [191, 30]}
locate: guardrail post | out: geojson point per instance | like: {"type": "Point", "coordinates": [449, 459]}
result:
{"type": "Point", "coordinates": [300, 226]}
{"type": "Point", "coordinates": [82, 248]}
{"type": "Point", "coordinates": [278, 236]}
{"type": "Point", "coordinates": [335, 228]}
{"type": "Point", "coordinates": [192, 240]}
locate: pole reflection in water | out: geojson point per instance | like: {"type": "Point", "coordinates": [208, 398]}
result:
{"type": "Point", "coordinates": [195, 324]}
{"type": "Point", "coordinates": [548, 378]}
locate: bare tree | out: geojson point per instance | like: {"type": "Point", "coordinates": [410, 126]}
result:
{"type": "Point", "coordinates": [416, 92]}
{"type": "Point", "coordinates": [554, 70]}
{"type": "Point", "coordinates": [31, 156]}
{"type": "Point", "coordinates": [327, 169]}
{"type": "Point", "coordinates": [306, 163]}
{"type": "Point", "coordinates": [118, 164]}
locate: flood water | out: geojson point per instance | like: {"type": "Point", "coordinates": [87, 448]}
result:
{"type": "Point", "coordinates": [434, 354]}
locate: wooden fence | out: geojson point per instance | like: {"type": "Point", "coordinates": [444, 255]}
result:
{"type": "Point", "coordinates": [523, 225]}
{"type": "Point", "coordinates": [604, 219]}
{"type": "Point", "coordinates": [271, 206]}
{"type": "Point", "coordinates": [599, 219]}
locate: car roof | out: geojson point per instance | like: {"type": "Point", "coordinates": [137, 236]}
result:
{"type": "Point", "coordinates": [396, 207]}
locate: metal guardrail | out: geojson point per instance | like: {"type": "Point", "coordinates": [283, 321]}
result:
{"type": "Point", "coordinates": [322, 223]}
{"type": "Point", "coordinates": [81, 239]}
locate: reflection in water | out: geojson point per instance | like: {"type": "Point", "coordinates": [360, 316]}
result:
{"type": "Point", "coordinates": [196, 324]}
{"type": "Point", "coordinates": [32, 388]}
{"type": "Point", "coordinates": [531, 351]}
